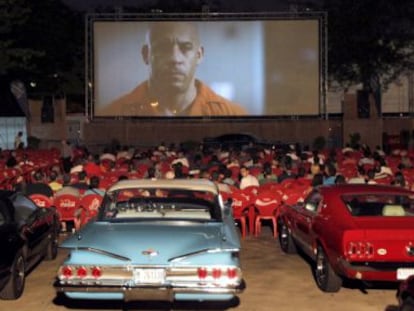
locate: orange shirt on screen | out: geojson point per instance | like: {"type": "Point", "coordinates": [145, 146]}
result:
{"type": "Point", "coordinates": [139, 103]}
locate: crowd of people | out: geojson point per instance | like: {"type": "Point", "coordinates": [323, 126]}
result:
{"type": "Point", "coordinates": [78, 172]}
{"type": "Point", "coordinates": [230, 167]}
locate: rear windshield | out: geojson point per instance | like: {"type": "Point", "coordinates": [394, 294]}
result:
{"type": "Point", "coordinates": [157, 204]}
{"type": "Point", "coordinates": [384, 205]}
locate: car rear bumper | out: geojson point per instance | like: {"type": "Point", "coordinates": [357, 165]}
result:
{"type": "Point", "coordinates": [371, 271]}
{"type": "Point", "coordinates": [159, 293]}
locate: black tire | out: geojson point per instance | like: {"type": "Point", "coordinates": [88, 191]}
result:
{"type": "Point", "coordinates": [325, 277]}
{"type": "Point", "coordinates": [408, 304]}
{"type": "Point", "coordinates": [52, 246]}
{"type": "Point", "coordinates": [286, 242]}
{"type": "Point", "coordinates": [15, 286]}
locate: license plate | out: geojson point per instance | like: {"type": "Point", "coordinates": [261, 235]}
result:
{"type": "Point", "coordinates": [404, 273]}
{"type": "Point", "coordinates": [149, 276]}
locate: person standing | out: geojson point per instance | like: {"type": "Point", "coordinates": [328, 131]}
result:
{"type": "Point", "coordinates": [66, 156]}
{"type": "Point", "coordinates": [18, 141]}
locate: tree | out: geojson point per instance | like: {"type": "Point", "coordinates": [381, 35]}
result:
{"type": "Point", "coordinates": [58, 31]}
{"type": "Point", "coordinates": [370, 42]}
{"type": "Point", "coordinates": [42, 41]}
{"type": "Point", "coordinates": [13, 16]}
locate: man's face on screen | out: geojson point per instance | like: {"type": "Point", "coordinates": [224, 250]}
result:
{"type": "Point", "coordinates": [173, 54]}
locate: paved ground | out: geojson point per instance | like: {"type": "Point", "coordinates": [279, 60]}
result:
{"type": "Point", "coordinates": [275, 281]}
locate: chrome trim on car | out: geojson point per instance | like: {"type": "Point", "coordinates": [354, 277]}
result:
{"type": "Point", "coordinates": [124, 276]}
{"type": "Point", "coordinates": [102, 252]}
{"type": "Point", "coordinates": [165, 293]}
{"type": "Point", "coordinates": [205, 250]}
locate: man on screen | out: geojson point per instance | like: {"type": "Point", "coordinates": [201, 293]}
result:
{"type": "Point", "coordinates": [172, 52]}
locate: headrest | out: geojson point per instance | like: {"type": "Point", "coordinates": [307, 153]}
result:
{"type": "Point", "coordinates": [393, 210]}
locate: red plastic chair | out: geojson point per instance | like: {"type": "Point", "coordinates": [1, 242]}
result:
{"type": "Point", "coordinates": [271, 187]}
{"type": "Point", "coordinates": [251, 191]}
{"type": "Point", "coordinates": [225, 195]}
{"type": "Point", "coordinates": [41, 200]}
{"type": "Point", "coordinates": [241, 207]}
{"type": "Point", "coordinates": [255, 171]}
{"type": "Point", "coordinates": [90, 203]}
{"type": "Point", "coordinates": [267, 205]}
{"type": "Point", "coordinates": [294, 195]}
{"type": "Point", "coordinates": [68, 207]}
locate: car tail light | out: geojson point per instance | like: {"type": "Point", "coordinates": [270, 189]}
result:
{"type": "Point", "coordinates": [360, 250]}
{"type": "Point", "coordinates": [96, 272]}
{"type": "Point", "coordinates": [231, 273]}
{"type": "Point", "coordinates": [66, 272]}
{"type": "Point", "coordinates": [216, 273]}
{"type": "Point", "coordinates": [81, 272]}
{"type": "Point", "coordinates": [202, 273]}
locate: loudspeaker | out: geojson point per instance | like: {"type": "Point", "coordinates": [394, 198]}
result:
{"type": "Point", "coordinates": [48, 112]}
{"type": "Point", "coordinates": [363, 105]}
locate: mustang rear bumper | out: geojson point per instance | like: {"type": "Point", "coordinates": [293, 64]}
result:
{"type": "Point", "coordinates": [159, 293]}
{"type": "Point", "coordinates": [372, 271]}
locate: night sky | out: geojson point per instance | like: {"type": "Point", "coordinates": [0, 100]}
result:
{"type": "Point", "coordinates": [258, 5]}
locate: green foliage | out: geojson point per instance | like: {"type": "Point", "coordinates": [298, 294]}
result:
{"type": "Point", "coordinates": [14, 14]}
{"type": "Point", "coordinates": [42, 41]}
{"type": "Point", "coordinates": [370, 42]}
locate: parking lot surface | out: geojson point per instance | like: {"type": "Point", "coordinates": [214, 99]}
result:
{"type": "Point", "coordinates": [275, 281]}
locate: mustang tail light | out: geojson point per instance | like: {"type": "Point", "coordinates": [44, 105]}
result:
{"type": "Point", "coordinates": [360, 250]}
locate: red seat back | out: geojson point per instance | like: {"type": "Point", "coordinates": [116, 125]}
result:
{"type": "Point", "coordinates": [91, 203]}
{"type": "Point", "coordinates": [267, 202]}
{"type": "Point", "coordinates": [41, 200]}
{"type": "Point", "coordinates": [67, 206]}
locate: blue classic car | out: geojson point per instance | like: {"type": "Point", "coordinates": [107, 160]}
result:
{"type": "Point", "coordinates": [165, 240]}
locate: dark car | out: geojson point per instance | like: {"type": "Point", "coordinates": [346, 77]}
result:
{"type": "Point", "coordinates": [28, 233]}
{"type": "Point", "coordinates": [240, 140]}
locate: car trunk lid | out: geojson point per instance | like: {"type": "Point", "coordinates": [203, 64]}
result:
{"type": "Point", "coordinates": [391, 238]}
{"type": "Point", "coordinates": [149, 242]}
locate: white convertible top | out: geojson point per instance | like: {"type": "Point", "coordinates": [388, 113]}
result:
{"type": "Point", "coordinates": [184, 184]}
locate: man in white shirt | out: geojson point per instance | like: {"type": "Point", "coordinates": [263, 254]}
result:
{"type": "Point", "coordinates": [247, 179]}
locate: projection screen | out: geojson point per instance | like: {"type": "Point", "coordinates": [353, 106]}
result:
{"type": "Point", "coordinates": [268, 67]}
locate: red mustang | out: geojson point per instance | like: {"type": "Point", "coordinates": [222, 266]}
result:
{"type": "Point", "coordinates": [361, 232]}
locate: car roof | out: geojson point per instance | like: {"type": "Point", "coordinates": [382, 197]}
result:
{"type": "Point", "coordinates": [180, 184]}
{"type": "Point", "coordinates": [363, 188]}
